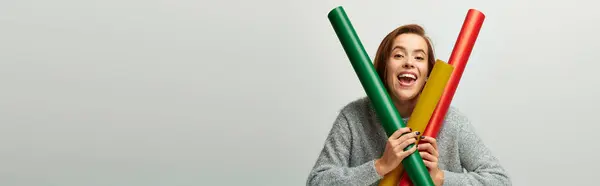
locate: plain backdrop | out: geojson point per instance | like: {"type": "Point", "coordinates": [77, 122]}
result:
{"type": "Point", "coordinates": [182, 92]}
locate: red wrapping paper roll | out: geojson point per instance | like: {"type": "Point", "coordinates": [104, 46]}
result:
{"type": "Point", "coordinates": [459, 57]}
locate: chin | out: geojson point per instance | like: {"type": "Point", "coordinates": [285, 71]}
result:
{"type": "Point", "coordinates": [406, 96]}
{"type": "Point", "coordinates": [404, 93]}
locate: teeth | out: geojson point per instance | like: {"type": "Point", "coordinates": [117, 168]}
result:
{"type": "Point", "coordinates": [408, 76]}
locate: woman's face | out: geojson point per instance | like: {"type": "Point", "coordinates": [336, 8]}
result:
{"type": "Point", "coordinates": [407, 67]}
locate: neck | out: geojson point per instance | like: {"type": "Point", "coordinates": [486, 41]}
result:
{"type": "Point", "coordinates": [405, 108]}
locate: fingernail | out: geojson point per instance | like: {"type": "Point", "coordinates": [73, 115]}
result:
{"type": "Point", "coordinates": [422, 137]}
{"type": "Point", "coordinates": [417, 133]}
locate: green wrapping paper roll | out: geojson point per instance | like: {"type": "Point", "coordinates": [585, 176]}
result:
{"type": "Point", "coordinates": [390, 119]}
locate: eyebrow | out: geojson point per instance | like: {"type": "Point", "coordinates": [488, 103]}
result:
{"type": "Point", "coordinates": [404, 49]}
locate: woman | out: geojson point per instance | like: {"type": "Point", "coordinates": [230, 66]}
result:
{"type": "Point", "coordinates": [357, 150]}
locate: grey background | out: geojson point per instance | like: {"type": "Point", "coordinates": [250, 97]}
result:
{"type": "Point", "coordinates": [181, 92]}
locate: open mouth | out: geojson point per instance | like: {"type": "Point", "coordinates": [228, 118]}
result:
{"type": "Point", "coordinates": [407, 78]}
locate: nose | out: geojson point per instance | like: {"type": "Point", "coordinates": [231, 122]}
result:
{"type": "Point", "coordinates": [408, 64]}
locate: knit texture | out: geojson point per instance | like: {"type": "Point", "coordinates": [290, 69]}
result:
{"type": "Point", "coordinates": [357, 139]}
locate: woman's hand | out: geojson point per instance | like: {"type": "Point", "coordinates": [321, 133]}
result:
{"type": "Point", "coordinates": [394, 150]}
{"type": "Point", "coordinates": [429, 152]}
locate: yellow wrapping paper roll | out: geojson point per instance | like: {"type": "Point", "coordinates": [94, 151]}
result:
{"type": "Point", "coordinates": [428, 100]}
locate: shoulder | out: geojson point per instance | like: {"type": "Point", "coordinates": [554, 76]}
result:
{"type": "Point", "coordinates": [358, 106]}
{"type": "Point", "coordinates": [455, 123]}
{"type": "Point", "coordinates": [455, 116]}
{"type": "Point", "coordinates": [358, 109]}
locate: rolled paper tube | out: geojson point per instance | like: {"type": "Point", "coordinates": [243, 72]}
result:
{"type": "Point", "coordinates": [424, 108]}
{"type": "Point", "coordinates": [392, 177]}
{"type": "Point", "coordinates": [390, 119]}
{"type": "Point", "coordinates": [459, 57]}
{"type": "Point", "coordinates": [404, 180]}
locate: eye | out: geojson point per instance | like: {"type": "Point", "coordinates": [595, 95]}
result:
{"type": "Point", "coordinates": [398, 56]}
{"type": "Point", "coordinates": [420, 58]}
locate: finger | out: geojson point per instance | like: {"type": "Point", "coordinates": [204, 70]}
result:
{"type": "Point", "coordinates": [404, 154]}
{"type": "Point", "coordinates": [397, 141]}
{"type": "Point", "coordinates": [399, 133]}
{"type": "Point", "coordinates": [430, 165]}
{"type": "Point", "coordinates": [409, 136]}
{"type": "Point", "coordinates": [431, 140]}
{"type": "Point", "coordinates": [428, 157]}
{"type": "Point", "coordinates": [400, 147]}
{"type": "Point", "coordinates": [428, 146]}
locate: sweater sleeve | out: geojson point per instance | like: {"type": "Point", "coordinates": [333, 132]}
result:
{"type": "Point", "coordinates": [332, 166]}
{"type": "Point", "coordinates": [482, 168]}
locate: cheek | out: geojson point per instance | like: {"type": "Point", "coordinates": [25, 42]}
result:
{"type": "Point", "coordinates": [390, 78]}
{"type": "Point", "coordinates": [390, 72]}
{"type": "Point", "coordinates": [422, 82]}
{"type": "Point", "coordinates": [423, 70]}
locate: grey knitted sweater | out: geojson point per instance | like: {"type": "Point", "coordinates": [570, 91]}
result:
{"type": "Point", "coordinates": [357, 139]}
